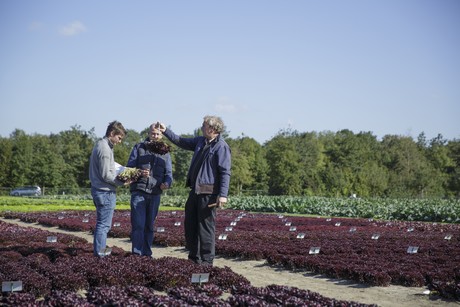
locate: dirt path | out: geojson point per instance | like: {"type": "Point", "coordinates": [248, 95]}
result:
{"type": "Point", "coordinates": [260, 274]}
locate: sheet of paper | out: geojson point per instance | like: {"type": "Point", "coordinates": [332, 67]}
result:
{"type": "Point", "coordinates": [118, 168]}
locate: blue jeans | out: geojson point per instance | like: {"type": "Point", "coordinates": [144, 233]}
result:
{"type": "Point", "coordinates": [144, 210]}
{"type": "Point", "coordinates": [105, 202]}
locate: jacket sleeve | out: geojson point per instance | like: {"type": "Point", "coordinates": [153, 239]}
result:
{"type": "Point", "coordinates": [132, 160]}
{"type": "Point", "coordinates": [107, 167]}
{"type": "Point", "coordinates": [184, 143]}
{"type": "Point", "coordinates": [168, 171]}
{"type": "Point", "coordinates": [224, 161]}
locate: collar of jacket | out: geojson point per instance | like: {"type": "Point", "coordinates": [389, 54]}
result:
{"type": "Point", "coordinates": [214, 140]}
{"type": "Point", "coordinates": [108, 142]}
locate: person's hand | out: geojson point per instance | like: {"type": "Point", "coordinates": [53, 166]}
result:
{"type": "Point", "coordinates": [164, 186]}
{"type": "Point", "coordinates": [145, 172]}
{"type": "Point", "coordinates": [161, 127]}
{"type": "Point", "coordinates": [221, 202]}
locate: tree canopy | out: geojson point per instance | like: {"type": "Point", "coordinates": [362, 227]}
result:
{"type": "Point", "coordinates": [324, 163]}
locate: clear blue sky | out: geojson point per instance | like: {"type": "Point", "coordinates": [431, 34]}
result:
{"type": "Point", "coordinates": [388, 67]}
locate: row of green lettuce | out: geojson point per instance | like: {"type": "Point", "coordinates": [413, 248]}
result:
{"type": "Point", "coordinates": [430, 210]}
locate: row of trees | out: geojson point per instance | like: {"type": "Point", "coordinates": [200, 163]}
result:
{"type": "Point", "coordinates": [291, 163]}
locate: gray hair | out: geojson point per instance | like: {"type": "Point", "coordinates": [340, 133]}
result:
{"type": "Point", "coordinates": [215, 123]}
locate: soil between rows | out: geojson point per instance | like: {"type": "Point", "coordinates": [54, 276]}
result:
{"type": "Point", "coordinates": [260, 275]}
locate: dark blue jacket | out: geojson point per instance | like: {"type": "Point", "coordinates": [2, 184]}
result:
{"type": "Point", "coordinates": [214, 174]}
{"type": "Point", "coordinates": [160, 169]}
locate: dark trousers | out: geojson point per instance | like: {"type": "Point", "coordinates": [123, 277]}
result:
{"type": "Point", "coordinates": [200, 228]}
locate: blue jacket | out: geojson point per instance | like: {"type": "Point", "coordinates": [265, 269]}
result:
{"type": "Point", "coordinates": [214, 174]}
{"type": "Point", "coordinates": [160, 169]}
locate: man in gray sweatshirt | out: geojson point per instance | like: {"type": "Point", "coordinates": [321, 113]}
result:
{"type": "Point", "coordinates": [102, 175]}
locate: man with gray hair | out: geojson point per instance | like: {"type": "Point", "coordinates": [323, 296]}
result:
{"type": "Point", "coordinates": [208, 179]}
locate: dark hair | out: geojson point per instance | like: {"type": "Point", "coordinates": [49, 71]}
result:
{"type": "Point", "coordinates": [116, 127]}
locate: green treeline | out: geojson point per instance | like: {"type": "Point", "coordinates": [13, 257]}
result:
{"type": "Point", "coordinates": [291, 163]}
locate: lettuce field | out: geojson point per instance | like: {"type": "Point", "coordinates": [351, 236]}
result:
{"type": "Point", "coordinates": [405, 209]}
{"type": "Point", "coordinates": [63, 272]}
{"type": "Point", "coordinates": [378, 242]}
